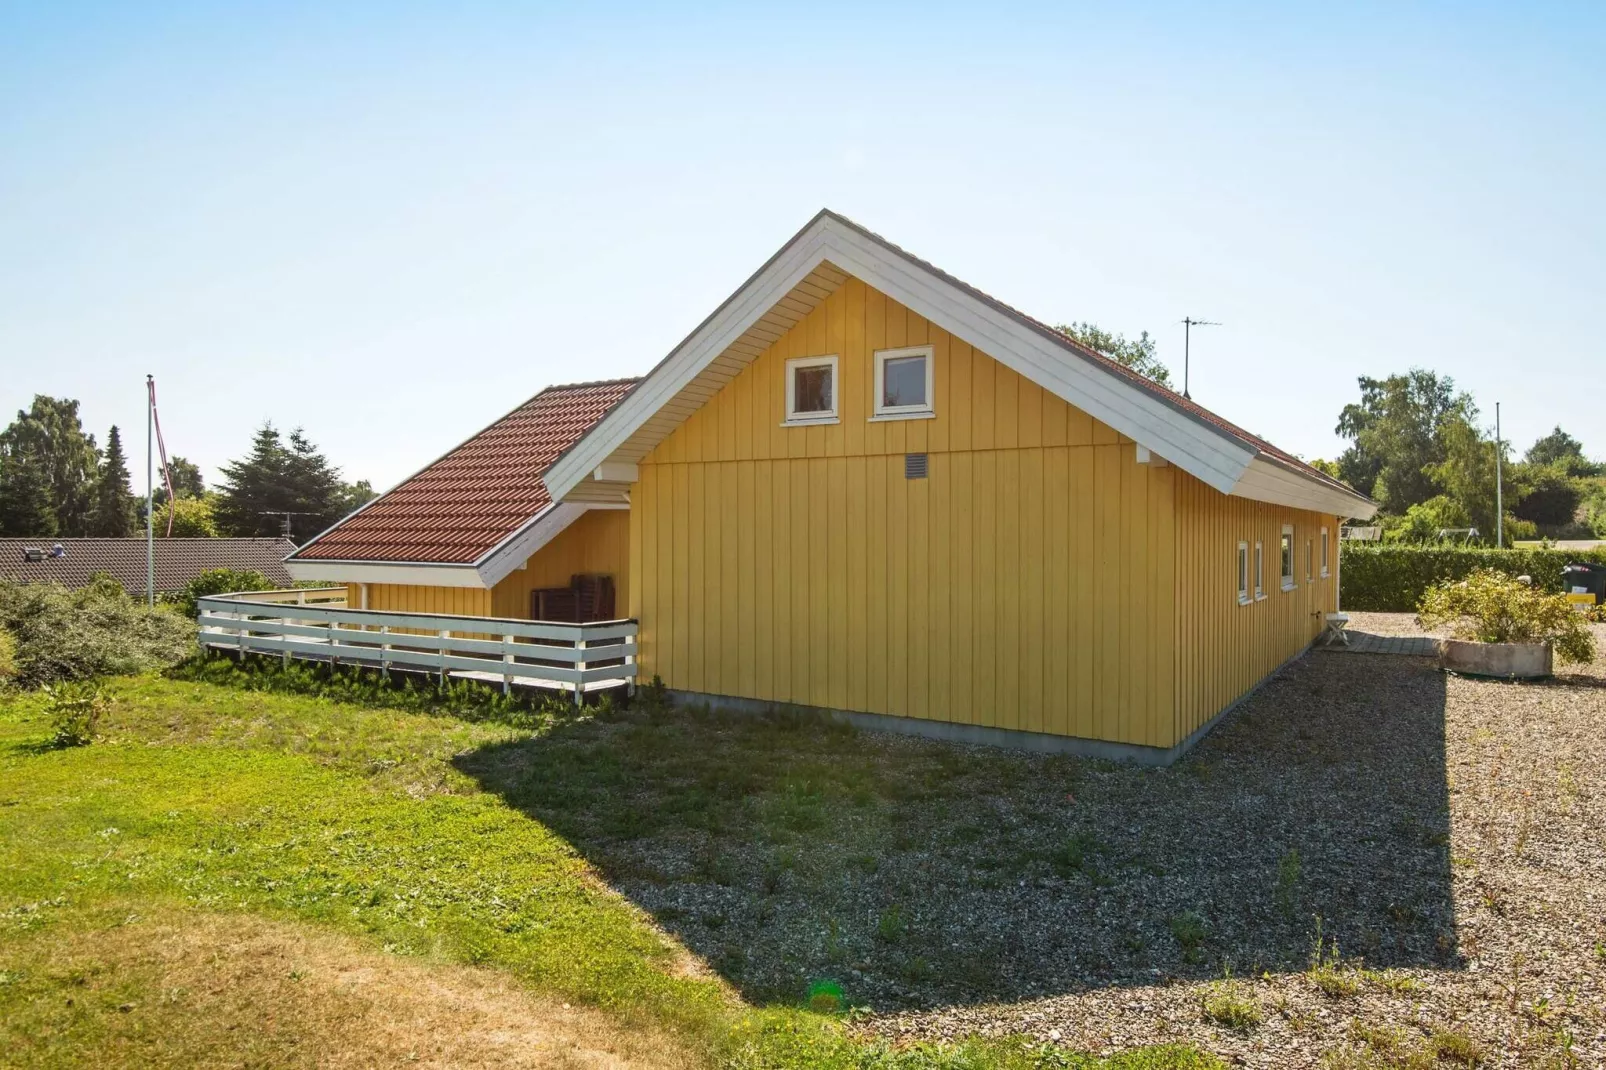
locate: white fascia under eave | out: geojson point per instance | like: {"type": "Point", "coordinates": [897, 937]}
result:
{"type": "Point", "coordinates": [1200, 449]}
{"type": "Point", "coordinates": [493, 567]}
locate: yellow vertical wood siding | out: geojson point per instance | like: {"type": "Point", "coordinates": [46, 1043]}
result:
{"type": "Point", "coordinates": [1223, 648]}
{"type": "Point", "coordinates": [1027, 583]}
{"type": "Point", "coordinates": [597, 541]}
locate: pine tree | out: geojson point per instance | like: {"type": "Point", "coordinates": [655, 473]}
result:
{"type": "Point", "coordinates": [277, 478]}
{"type": "Point", "coordinates": [114, 514]}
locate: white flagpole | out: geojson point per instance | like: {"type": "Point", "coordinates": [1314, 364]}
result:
{"type": "Point", "coordinates": [150, 497]}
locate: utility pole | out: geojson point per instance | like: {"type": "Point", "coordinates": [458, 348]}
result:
{"type": "Point", "coordinates": [1188, 324]}
{"type": "Point", "coordinates": [150, 491]}
{"type": "Point", "coordinates": [1499, 490]}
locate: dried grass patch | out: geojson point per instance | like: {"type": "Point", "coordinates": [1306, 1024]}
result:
{"type": "Point", "coordinates": [200, 989]}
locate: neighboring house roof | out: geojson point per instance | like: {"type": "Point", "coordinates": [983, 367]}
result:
{"type": "Point", "coordinates": [178, 561]}
{"type": "Point", "coordinates": [468, 504]}
{"type": "Point", "coordinates": [817, 260]}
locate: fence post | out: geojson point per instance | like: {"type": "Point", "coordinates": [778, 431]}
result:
{"type": "Point", "coordinates": [334, 657]}
{"type": "Point", "coordinates": [579, 667]}
{"type": "Point", "coordinates": [507, 659]}
{"type": "Point", "coordinates": [630, 667]}
{"type": "Point", "coordinates": [445, 634]}
{"type": "Point", "coordinates": [384, 653]}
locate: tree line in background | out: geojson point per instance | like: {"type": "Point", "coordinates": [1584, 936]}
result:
{"type": "Point", "coordinates": [1417, 448]}
{"type": "Point", "coordinates": [56, 482]}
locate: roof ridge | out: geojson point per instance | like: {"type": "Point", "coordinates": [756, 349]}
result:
{"type": "Point", "coordinates": [588, 383]}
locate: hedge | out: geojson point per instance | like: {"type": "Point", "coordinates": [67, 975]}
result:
{"type": "Point", "coordinates": [1391, 579]}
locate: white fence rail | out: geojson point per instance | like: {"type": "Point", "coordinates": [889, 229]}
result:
{"type": "Point", "coordinates": [315, 625]}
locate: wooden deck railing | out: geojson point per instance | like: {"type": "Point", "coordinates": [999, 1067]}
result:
{"type": "Point", "coordinates": [315, 625]}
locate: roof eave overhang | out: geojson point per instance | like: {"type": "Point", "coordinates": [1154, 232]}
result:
{"type": "Point", "coordinates": [1209, 453]}
{"type": "Point", "coordinates": [491, 568]}
{"type": "Point", "coordinates": [1268, 479]}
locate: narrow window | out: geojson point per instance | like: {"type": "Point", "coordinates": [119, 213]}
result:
{"type": "Point", "coordinates": [1260, 572]}
{"type": "Point", "coordinates": [1243, 573]}
{"type": "Point", "coordinates": [903, 383]}
{"type": "Point", "coordinates": [1285, 550]}
{"type": "Point", "coordinates": [1310, 561]}
{"type": "Point", "coordinates": [1324, 553]}
{"type": "Point", "coordinates": [811, 391]}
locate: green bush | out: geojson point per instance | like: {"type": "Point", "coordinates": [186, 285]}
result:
{"type": "Point", "coordinates": [1393, 578]}
{"type": "Point", "coordinates": [8, 657]}
{"type": "Point", "coordinates": [1492, 607]}
{"type": "Point", "coordinates": [220, 581]}
{"type": "Point", "coordinates": [97, 630]}
{"type": "Point", "coordinates": [75, 707]}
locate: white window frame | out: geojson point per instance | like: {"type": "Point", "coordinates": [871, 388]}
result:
{"type": "Point", "coordinates": [1260, 571]}
{"type": "Point", "coordinates": [1310, 559]}
{"type": "Point", "coordinates": [805, 419]}
{"type": "Point", "coordinates": [1287, 577]}
{"type": "Point", "coordinates": [1324, 553]}
{"type": "Point", "coordinates": [1243, 573]}
{"type": "Point", "coordinates": [905, 412]}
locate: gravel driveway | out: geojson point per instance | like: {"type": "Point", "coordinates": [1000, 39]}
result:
{"type": "Point", "coordinates": [1444, 838]}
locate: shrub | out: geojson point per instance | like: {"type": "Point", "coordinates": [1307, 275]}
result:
{"type": "Point", "coordinates": [8, 657]}
{"type": "Point", "coordinates": [75, 707]}
{"type": "Point", "coordinates": [220, 581]}
{"type": "Point", "coordinates": [1393, 578]}
{"type": "Point", "coordinates": [1492, 607]}
{"type": "Point", "coordinates": [96, 630]}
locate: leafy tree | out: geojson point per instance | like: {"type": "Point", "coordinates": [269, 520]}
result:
{"type": "Point", "coordinates": [1135, 353]}
{"type": "Point", "coordinates": [1563, 451]}
{"type": "Point", "coordinates": [47, 444]}
{"type": "Point", "coordinates": [114, 514]}
{"type": "Point", "coordinates": [1552, 496]}
{"type": "Point", "coordinates": [1396, 436]}
{"type": "Point", "coordinates": [186, 477]}
{"type": "Point", "coordinates": [1467, 475]}
{"type": "Point", "coordinates": [25, 506]}
{"type": "Point", "coordinates": [280, 475]}
{"type": "Point", "coordinates": [193, 518]}
{"type": "Point", "coordinates": [1424, 520]}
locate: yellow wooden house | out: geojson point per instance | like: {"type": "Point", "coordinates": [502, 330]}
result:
{"type": "Point", "coordinates": [864, 487]}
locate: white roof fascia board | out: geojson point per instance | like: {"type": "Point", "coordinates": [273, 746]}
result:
{"type": "Point", "coordinates": [682, 366]}
{"type": "Point", "coordinates": [516, 549]}
{"type": "Point", "coordinates": [1268, 481]}
{"type": "Point", "coordinates": [1211, 454]}
{"type": "Point", "coordinates": [378, 572]}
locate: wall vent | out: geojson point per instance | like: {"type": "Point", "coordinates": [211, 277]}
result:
{"type": "Point", "coordinates": [914, 466]}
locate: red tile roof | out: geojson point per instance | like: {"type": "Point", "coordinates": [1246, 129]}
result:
{"type": "Point", "coordinates": [178, 561]}
{"type": "Point", "coordinates": [459, 508]}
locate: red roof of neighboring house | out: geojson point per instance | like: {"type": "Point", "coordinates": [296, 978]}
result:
{"type": "Point", "coordinates": [178, 561]}
{"type": "Point", "coordinates": [462, 506]}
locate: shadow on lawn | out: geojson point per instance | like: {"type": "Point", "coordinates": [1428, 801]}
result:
{"type": "Point", "coordinates": [784, 850]}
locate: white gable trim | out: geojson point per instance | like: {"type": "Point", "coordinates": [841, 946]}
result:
{"type": "Point", "coordinates": [1210, 453]}
{"type": "Point", "coordinates": [516, 549]}
{"type": "Point", "coordinates": [1266, 480]}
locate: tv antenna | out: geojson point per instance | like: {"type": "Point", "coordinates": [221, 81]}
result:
{"type": "Point", "coordinates": [287, 514]}
{"type": "Point", "coordinates": [1188, 324]}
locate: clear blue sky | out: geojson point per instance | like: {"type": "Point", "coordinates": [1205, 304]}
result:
{"type": "Point", "coordinates": [391, 223]}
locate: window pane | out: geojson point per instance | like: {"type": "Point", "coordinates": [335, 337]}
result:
{"type": "Point", "coordinates": [1288, 556]}
{"type": "Point", "coordinates": [812, 388]}
{"type": "Point", "coordinates": [903, 381]}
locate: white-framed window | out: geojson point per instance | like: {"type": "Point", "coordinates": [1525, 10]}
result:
{"type": "Point", "coordinates": [1324, 553]}
{"type": "Point", "coordinates": [1243, 573]}
{"type": "Point", "coordinates": [1260, 572]}
{"type": "Point", "coordinates": [811, 390]}
{"type": "Point", "coordinates": [904, 383]}
{"type": "Point", "coordinates": [1310, 561]}
{"type": "Point", "coordinates": [1285, 552]}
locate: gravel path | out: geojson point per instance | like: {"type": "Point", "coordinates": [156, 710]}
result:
{"type": "Point", "coordinates": [1445, 837]}
{"type": "Point", "coordinates": [1475, 809]}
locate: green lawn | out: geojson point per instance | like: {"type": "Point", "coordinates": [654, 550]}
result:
{"type": "Point", "coordinates": [215, 801]}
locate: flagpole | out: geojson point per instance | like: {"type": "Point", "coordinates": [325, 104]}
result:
{"type": "Point", "coordinates": [150, 492]}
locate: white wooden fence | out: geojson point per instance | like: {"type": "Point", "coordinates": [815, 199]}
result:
{"type": "Point", "coordinates": [316, 625]}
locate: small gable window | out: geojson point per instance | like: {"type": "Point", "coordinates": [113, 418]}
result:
{"type": "Point", "coordinates": [903, 383]}
{"type": "Point", "coordinates": [811, 390]}
{"type": "Point", "coordinates": [1286, 550]}
{"type": "Point", "coordinates": [1243, 573]}
{"type": "Point", "coordinates": [1260, 572]}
